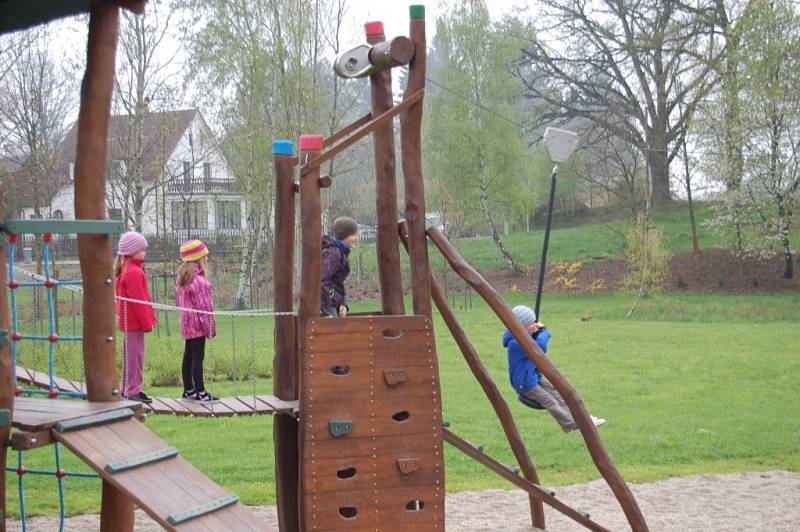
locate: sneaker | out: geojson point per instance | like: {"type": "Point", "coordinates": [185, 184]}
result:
{"type": "Point", "coordinates": [204, 397]}
{"type": "Point", "coordinates": [597, 421]}
{"type": "Point", "coordinates": [141, 397]}
{"type": "Point", "coordinates": [188, 394]}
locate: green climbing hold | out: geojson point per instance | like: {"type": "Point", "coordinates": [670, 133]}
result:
{"type": "Point", "coordinates": [339, 427]}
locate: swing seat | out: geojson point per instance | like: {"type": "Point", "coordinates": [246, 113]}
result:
{"type": "Point", "coordinates": [530, 403]}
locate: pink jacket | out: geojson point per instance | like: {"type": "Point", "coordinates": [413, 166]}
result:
{"type": "Point", "coordinates": [196, 295]}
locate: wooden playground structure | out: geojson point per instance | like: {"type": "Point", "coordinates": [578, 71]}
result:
{"type": "Point", "coordinates": [359, 440]}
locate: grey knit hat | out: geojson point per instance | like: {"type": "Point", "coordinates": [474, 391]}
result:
{"type": "Point", "coordinates": [343, 227]}
{"type": "Point", "coordinates": [525, 315]}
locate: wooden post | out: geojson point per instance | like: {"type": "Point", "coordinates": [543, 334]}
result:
{"type": "Point", "coordinates": [285, 369]}
{"type": "Point", "coordinates": [589, 432]}
{"type": "Point", "coordinates": [7, 370]}
{"type": "Point", "coordinates": [95, 251]}
{"type": "Point", "coordinates": [410, 143]}
{"type": "Point", "coordinates": [489, 387]}
{"type": "Point", "coordinates": [385, 186]}
{"type": "Point", "coordinates": [310, 275]}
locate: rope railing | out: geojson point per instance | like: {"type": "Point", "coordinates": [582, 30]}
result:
{"type": "Point", "coordinates": [157, 306]}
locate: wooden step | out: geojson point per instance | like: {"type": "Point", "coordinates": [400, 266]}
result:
{"type": "Point", "coordinates": [169, 489]}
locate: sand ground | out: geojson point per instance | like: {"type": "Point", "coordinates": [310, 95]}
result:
{"type": "Point", "coordinates": [767, 501]}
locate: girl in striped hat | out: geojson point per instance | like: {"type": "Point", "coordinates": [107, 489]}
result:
{"type": "Point", "coordinates": [193, 291]}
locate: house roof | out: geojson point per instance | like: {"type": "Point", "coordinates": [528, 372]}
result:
{"type": "Point", "coordinates": [161, 133]}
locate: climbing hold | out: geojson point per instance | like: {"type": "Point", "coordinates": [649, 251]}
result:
{"type": "Point", "coordinates": [13, 284]}
{"type": "Point", "coordinates": [340, 427]}
{"type": "Point", "coordinates": [52, 393]}
{"type": "Point", "coordinates": [21, 470]}
{"type": "Point", "coordinates": [12, 239]}
{"type": "Point", "coordinates": [61, 474]}
{"type": "Point", "coordinates": [408, 465]}
{"type": "Point", "coordinates": [394, 376]}
{"type": "Point", "coordinates": [49, 283]}
{"type": "Point", "coordinates": [16, 336]}
{"type": "Point", "coordinates": [53, 338]}
{"type": "Point", "coordinates": [17, 391]}
{"type": "Point", "coordinates": [47, 237]}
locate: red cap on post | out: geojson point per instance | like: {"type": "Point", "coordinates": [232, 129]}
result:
{"type": "Point", "coordinates": [311, 142]}
{"type": "Point", "coordinates": [373, 28]}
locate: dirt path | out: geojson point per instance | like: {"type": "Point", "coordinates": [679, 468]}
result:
{"type": "Point", "coordinates": [733, 502]}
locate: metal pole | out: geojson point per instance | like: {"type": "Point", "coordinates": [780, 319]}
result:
{"type": "Point", "coordinates": [543, 262]}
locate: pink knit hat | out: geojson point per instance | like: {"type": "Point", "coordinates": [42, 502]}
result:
{"type": "Point", "coordinates": [131, 243]}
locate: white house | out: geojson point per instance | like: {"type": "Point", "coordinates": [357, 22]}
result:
{"type": "Point", "coordinates": [187, 189]}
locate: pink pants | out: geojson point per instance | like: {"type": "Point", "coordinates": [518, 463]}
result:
{"type": "Point", "coordinates": [132, 363]}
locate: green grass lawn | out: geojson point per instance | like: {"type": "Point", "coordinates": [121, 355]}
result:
{"type": "Point", "coordinates": [690, 384]}
{"type": "Point", "coordinates": [591, 241]}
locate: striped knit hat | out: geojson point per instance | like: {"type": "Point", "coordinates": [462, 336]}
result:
{"type": "Point", "coordinates": [131, 243]}
{"type": "Point", "coordinates": [525, 315]}
{"type": "Point", "coordinates": [193, 250]}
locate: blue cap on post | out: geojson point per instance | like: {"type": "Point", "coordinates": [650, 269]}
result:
{"type": "Point", "coordinates": [282, 147]}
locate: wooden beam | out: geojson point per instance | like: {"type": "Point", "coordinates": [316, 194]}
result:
{"type": "Point", "coordinates": [95, 251]}
{"type": "Point", "coordinates": [534, 490]}
{"type": "Point", "coordinates": [7, 369]}
{"type": "Point", "coordinates": [589, 432]}
{"type": "Point", "coordinates": [411, 148]}
{"type": "Point", "coordinates": [285, 365]}
{"type": "Point", "coordinates": [310, 276]}
{"type": "Point", "coordinates": [491, 390]}
{"type": "Point", "coordinates": [319, 159]}
{"type": "Point", "coordinates": [346, 130]}
{"type": "Point", "coordinates": [388, 245]}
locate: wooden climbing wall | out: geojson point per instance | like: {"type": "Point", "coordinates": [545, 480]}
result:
{"type": "Point", "coordinates": [371, 425]}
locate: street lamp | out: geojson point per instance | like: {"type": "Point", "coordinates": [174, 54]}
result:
{"type": "Point", "coordinates": [560, 145]}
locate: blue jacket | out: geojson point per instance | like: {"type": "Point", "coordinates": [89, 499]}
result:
{"type": "Point", "coordinates": [523, 372]}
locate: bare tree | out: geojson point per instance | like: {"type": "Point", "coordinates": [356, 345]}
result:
{"type": "Point", "coordinates": [147, 76]}
{"type": "Point", "coordinates": [36, 96]}
{"type": "Point", "coordinates": [624, 59]}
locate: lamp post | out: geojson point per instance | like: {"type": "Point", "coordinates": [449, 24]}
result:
{"type": "Point", "coordinates": [560, 145]}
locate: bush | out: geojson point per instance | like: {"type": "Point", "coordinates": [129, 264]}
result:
{"type": "Point", "coordinates": [646, 256]}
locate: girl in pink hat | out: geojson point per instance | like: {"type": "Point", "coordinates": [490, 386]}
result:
{"type": "Point", "coordinates": [135, 318]}
{"type": "Point", "coordinates": [193, 291]}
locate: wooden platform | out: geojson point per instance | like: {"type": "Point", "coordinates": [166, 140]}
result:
{"type": "Point", "coordinates": [244, 405]}
{"type": "Point", "coordinates": [370, 425]}
{"type": "Point", "coordinates": [33, 414]}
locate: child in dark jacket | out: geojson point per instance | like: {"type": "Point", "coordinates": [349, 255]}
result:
{"type": "Point", "coordinates": [336, 266]}
{"type": "Point", "coordinates": [525, 376]}
{"type": "Point", "coordinates": [135, 319]}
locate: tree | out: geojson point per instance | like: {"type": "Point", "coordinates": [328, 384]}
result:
{"type": "Point", "coordinates": [36, 96]}
{"type": "Point", "coordinates": [618, 64]}
{"type": "Point", "coordinates": [771, 116]}
{"type": "Point", "coordinates": [147, 78]}
{"type": "Point", "coordinates": [477, 156]}
{"type": "Point", "coordinates": [267, 60]}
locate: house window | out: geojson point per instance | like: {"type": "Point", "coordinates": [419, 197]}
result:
{"type": "Point", "coordinates": [187, 170]}
{"type": "Point", "coordinates": [229, 215]}
{"type": "Point", "coordinates": [190, 215]}
{"type": "Point", "coordinates": [115, 214]}
{"type": "Point", "coordinates": [207, 171]}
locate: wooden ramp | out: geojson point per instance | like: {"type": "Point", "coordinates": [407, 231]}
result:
{"type": "Point", "coordinates": [370, 425]}
{"type": "Point", "coordinates": [243, 405]}
{"type": "Point", "coordinates": [109, 438]}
